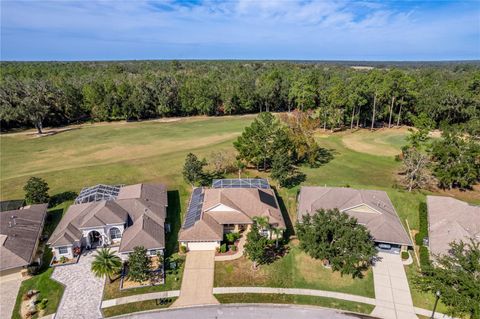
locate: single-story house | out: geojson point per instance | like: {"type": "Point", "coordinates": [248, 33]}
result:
{"type": "Point", "coordinates": [449, 220]}
{"type": "Point", "coordinates": [127, 216]}
{"type": "Point", "coordinates": [229, 206]}
{"type": "Point", "coordinates": [20, 232]}
{"type": "Point", "coordinates": [371, 208]}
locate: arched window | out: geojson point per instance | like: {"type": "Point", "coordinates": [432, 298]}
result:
{"type": "Point", "coordinates": [115, 233]}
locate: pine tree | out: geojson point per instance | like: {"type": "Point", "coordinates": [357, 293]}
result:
{"type": "Point", "coordinates": [193, 169]}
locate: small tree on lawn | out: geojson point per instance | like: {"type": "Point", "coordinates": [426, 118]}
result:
{"type": "Point", "coordinates": [337, 238]}
{"type": "Point", "coordinates": [138, 265]}
{"type": "Point", "coordinates": [106, 264]}
{"type": "Point", "coordinates": [36, 191]}
{"type": "Point", "coordinates": [256, 246]}
{"type": "Point", "coordinates": [282, 169]}
{"type": "Point", "coordinates": [457, 277]}
{"type": "Point", "coordinates": [193, 169]}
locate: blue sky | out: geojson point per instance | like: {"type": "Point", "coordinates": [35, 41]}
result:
{"type": "Point", "coordinates": [240, 29]}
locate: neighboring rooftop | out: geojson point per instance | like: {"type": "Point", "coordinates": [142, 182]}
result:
{"type": "Point", "coordinates": [142, 204]}
{"type": "Point", "coordinates": [19, 233]}
{"type": "Point", "coordinates": [97, 193]}
{"type": "Point", "coordinates": [211, 208]}
{"type": "Point", "coordinates": [450, 219]}
{"type": "Point", "coordinates": [371, 208]}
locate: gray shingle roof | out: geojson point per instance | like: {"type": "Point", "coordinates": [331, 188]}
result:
{"type": "Point", "coordinates": [18, 239]}
{"type": "Point", "coordinates": [450, 219]}
{"type": "Point", "coordinates": [144, 204]}
{"type": "Point", "coordinates": [371, 208]}
{"type": "Point", "coordinates": [243, 204]}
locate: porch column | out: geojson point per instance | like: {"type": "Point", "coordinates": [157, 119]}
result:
{"type": "Point", "coordinates": [235, 229]}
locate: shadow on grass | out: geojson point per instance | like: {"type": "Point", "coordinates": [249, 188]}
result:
{"type": "Point", "coordinates": [59, 198]}
{"type": "Point", "coordinates": [174, 219]}
{"type": "Point", "coordinates": [288, 223]}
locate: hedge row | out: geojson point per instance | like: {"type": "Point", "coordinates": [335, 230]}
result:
{"type": "Point", "coordinates": [424, 257]}
{"type": "Point", "coordinates": [423, 224]}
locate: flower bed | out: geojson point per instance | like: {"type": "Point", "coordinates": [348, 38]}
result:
{"type": "Point", "coordinates": [157, 276]}
{"type": "Point", "coordinates": [63, 261]}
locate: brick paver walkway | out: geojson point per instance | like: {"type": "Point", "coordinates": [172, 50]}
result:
{"type": "Point", "coordinates": [83, 291]}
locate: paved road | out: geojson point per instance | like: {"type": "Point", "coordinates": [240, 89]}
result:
{"type": "Point", "coordinates": [245, 312]}
{"type": "Point", "coordinates": [197, 282]}
{"type": "Point", "coordinates": [9, 286]}
{"type": "Point", "coordinates": [83, 291]}
{"type": "Point", "coordinates": [392, 292]}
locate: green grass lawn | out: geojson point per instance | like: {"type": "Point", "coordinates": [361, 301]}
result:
{"type": "Point", "coordinates": [135, 307]}
{"type": "Point", "coordinates": [49, 289]}
{"type": "Point", "coordinates": [295, 270]}
{"type": "Point", "coordinates": [296, 299]}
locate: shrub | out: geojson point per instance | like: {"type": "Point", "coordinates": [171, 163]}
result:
{"type": "Point", "coordinates": [33, 268]}
{"type": "Point", "coordinates": [223, 248]}
{"type": "Point", "coordinates": [63, 259]}
{"type": "Point", "coordinates": [183, 249]}
{"type": "Point", "coordinates": [424, 257]}
{"type": "Point", "coordinates": [423, 225]}
{"type": "Point", "coordinates": [405, 255]}
{"type": "Point", "coordinates": [42, 304]}
{"type": "Point", "coordinates": [232, 237]}
{"type": "Point", "coordinates": [233, 248]}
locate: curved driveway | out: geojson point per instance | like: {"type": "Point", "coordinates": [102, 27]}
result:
{"type": "Point", "coordinates": [245, 311]}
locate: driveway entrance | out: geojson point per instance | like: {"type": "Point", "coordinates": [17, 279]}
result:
{"type": "Point", "coordinates": [9, 286]}
{"type": "Point", "coordinates": [392, 292]}
{"type": "Point", "coordinates": [197, 282]}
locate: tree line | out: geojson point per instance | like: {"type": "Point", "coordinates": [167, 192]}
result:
{"type": "Point", "coordinates": [59, 93]}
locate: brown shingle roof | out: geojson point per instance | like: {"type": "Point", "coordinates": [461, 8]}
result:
{"type": "Point", "coordinates": [145, 204]}
{"type": "Point", "coordinates": [449, 220]}
{"type": "Point", "coordinates": [241, 205]}
{"type": "Point", "coordinates": [18, 242]}
{"type": "Point", "coordinates": [372, 208]}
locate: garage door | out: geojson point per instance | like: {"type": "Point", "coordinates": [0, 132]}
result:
{"type": "Point", "coordinates": [206, 245]}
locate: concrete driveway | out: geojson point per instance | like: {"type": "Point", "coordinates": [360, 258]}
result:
{"type": "Point", "coordinates": [392, 292]}
{"type": "Point", "coordinates": [197, 282]}
{"type": "Point", "coordinates": [83, 291]}
{"type": "Point", "coordinates": [245, 311]}
{"type": "Point", "coordinates": [9, 286]}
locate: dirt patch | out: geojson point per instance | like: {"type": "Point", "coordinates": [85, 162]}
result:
{"type": "Point", "coordinates": [472, 196]}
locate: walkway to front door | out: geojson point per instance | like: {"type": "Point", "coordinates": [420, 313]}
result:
{"type": "Point", "coordinates": [392, 292]}
{"type": "Point", "coordinates": [197, 282]}
{"type": "Point", "coordinates": [83, 291]}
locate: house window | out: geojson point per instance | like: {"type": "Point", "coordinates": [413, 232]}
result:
{"type": "Point", "coordinates": [63, 250]}
{"type": "Point", "coordinates": [115, 233]}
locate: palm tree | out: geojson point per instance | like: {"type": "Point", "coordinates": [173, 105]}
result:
{"type": "Point", "coordinates": [263, 224]}
{"type": "Point", "coordinates": [106, 263]}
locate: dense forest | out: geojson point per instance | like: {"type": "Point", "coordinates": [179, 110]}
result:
{"type": "Point", "coordinates": [59, 93]}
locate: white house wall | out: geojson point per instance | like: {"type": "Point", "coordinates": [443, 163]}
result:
{"type": "Point", "coordinates": [222, 208]}
{"type": "Point", "coordinates": [204, 245]}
